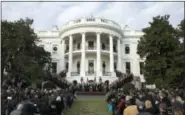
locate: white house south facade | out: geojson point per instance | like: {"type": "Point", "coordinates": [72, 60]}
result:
{"type": "Point", "coordinates": [93, 47]}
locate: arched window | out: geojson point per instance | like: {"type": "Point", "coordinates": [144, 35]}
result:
{"type": "Point", "coordinates": [127, 49]}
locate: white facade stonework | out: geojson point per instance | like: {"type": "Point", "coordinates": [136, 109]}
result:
{"type": "Point", "coordinates": [92, 47]}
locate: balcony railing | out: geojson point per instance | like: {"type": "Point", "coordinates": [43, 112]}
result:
{"type": "Point", "coordinates": [106, 48]}
{"type": "Point", "coordinates": [75, 73]}
{"type": "Point", "coordinates": [90, 73]}
{"type": "Point", "coordinates": [76, 48]}
{"type": "Point", "coordinates": [91, 48]}
{"type": "Point", "coordinates": [105, 73]}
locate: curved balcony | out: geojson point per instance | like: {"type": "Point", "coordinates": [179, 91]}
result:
{"type": "Point", "coordinates": [92, 21]}
{"type": "Point", "coordinates": [88, 48]}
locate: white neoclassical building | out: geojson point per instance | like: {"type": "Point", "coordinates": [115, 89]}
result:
{"type": "Point", "coordinates": [93, 47]}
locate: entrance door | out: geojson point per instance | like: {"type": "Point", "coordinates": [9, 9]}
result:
{"type": "Point", "coordinates": [91, 67]}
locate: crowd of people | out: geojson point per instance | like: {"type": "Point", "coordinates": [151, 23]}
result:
{"type": "Point", "coordinates": [23, 100]}
{"type": "Point", "coordinates": [92, 87]}
{"type": "Point", "coordinates": [145, 101]}
{"type": "Point", "coordinates": [122, 98]}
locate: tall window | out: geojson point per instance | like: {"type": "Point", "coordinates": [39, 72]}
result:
{"type": "Point", "coordinates": [67, 48]}
{"type": "Point", "coordinates": [141, 66]}
{"type": "Point", "coordinates": [54, 67]}
{"type": "Point", "coordinates": [115, 66]}
{"type": "Point", "coordinates": [103, 46]}
{"type": "Point", "coordinates": [127, 49]}
{"type": "Point", "coordinates": [103, 66]}
{"type": "Point", "coordinates": [66, 66]}
{"type": "Point", "coordinates": [127, 67]}
{"type": "Point", "coordinates": [78, 67]}
{"type": "Point", "coordinates": [114, 48]}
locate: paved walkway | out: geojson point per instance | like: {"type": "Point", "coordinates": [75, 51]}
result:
{"type": "Point", "coordinates": [88, 105]}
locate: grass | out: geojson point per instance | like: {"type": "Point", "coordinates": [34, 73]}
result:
{"type": "Point", "coordinates": [88, 107]}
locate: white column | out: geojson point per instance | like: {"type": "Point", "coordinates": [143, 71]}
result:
{"type": "Point", "coordinates": [111, 54]}
{"type": "Point", "coordinates": [70, 61]}
{"type": "Point", "coordinates": [119, 62]}
{"type": "Point", "coordinates": [62, 64]}
{"type": "Point", "coordinates": [98, 53]}
{"type": "Point", "coordinates": [136, 69]}
{"type": "Point", "coordinates": [82, 69]}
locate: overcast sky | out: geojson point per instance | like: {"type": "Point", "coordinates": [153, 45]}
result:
{"type": "Point", "coordinates": [134, 14]}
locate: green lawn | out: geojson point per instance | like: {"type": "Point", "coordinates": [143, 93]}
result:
{"type": "Point", "coordinates": [88, 107]}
